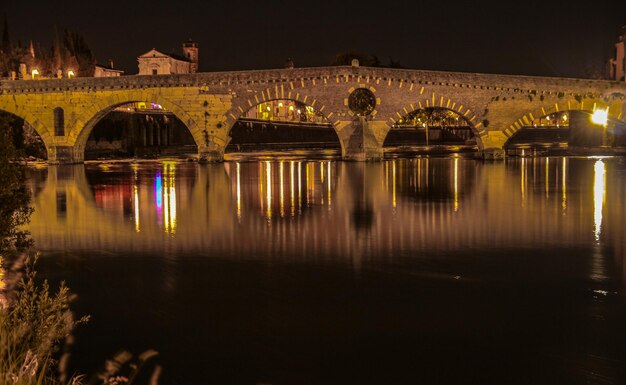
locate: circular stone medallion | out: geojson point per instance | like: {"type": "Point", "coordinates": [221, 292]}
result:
{"type": "Point", "coordinates": [362, 101]}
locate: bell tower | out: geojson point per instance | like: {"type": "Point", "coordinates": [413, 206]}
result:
{"type": "Point", "coordinates": [190, 49]}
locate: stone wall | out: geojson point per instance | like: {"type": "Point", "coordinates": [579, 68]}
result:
{"type": "Point", "coordinates": [210, 103]}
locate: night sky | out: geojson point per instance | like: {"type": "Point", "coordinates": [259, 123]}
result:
{"type": "Point", "coordinates": [523, 37]}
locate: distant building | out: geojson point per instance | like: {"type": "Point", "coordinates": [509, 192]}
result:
{"type": "Point", "coordinates": [190, 49]}
{"type": "Point", "coordinates": [103, 71]}
{"type": "Point", "coordinates": [617, 64]}
{"type": "Point", "coordinates": [155, 62]}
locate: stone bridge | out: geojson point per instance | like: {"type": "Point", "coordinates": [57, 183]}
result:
{"type": "Point", "coordinates": [64, 111]}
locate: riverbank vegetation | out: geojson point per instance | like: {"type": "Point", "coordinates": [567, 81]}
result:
{"type": "Point", "coordinates": [33, 324]}
{"type": "Point", "coordinates": [33, 320]}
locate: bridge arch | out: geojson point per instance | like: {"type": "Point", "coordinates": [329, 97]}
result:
{"type": "Point", "coordinates": [27, 138]}
{"type": "Point", "coordinates": [444, 102]}
{"type": "Point", "coordinates": [241, 109]}
{"type": "Point", "coordinates": [615, 110]}
{"type": "Point", "coordinates": [81, 131]}
{"type": "Point", "coordinates": [40, 129]}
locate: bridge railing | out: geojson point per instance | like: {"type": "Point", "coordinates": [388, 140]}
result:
{"type": "Point", "coordinates": [494, 82]}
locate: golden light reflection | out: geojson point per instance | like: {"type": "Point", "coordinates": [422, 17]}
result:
{"type": "Point", "coordinates": [268, 175]}
{"type": "Point", "coordinates": [456, 184]}
{"type": "Point", "coordinates": [306, 183]}
{"type": "Point", "coordinates": [328, 181]}
{"type": "Point", "coordinates": [169, 197]}
{"type": "Point", "coordinates": [523, 180]}
{"type": "Point", "coordinates": [261, 194]}
{"type": "Point", "coordinates": [321, 181]}
{"type": "Point", "coordinates": [564, 185]}
{"type": "Point", "coordinates": [393, 183]}
{"type": "Point", "coordinates": [293, 198]}
{"type": "Point", "coordinates": [419, 175]}
{"type": "Point", "coordinates": [599, 194]}
{"type": "Point", "coordinates": [3, 300]}
{"type": "Point", "coordinates": [313, 183]}
{"type": "Point", "coordinates": [282, 190]}
{"type": "Point", "coordinates": [238, 190]}
{"type": "Point", "coordinates": [136, 201]}
{"type": "Point", "coordinates": [387, 174]}
{"type": "Point", "coordinates": [427, 171]}
{"type": "Point", "coordinates": [299, 186]}
{"type": "Point", "coordinates": [547, 178]}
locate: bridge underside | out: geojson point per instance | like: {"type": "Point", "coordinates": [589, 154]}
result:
{"type": "Point", "coordinates": [360, 140]}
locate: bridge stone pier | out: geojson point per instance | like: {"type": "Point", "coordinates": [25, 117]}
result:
{"type": "Point", "coordinates": [64, 111]}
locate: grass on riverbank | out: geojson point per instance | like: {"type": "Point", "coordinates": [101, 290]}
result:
{"type": "Point", "coordinates": [32, 327]}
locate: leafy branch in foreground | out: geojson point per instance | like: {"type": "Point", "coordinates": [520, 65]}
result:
{"type": "Point", "coordinates": [31, 329]}
{"type": "Point", "coordinates": [14, 198]}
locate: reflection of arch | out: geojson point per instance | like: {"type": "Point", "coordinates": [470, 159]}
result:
{"type": "Point", "coordinates": [318, 107]}
{"type": "Point", "coordinates": [68, 182]}
{"type": "Point", "coordinates": [441, 101]}
{"type": "Point", "coordinates": [94, 114]}
{"type": "Point", "coordinates": [69, 191]}
{"type": "Point", "coordinates": [589, 105]}
{"type": "Point", "coordinates": [433, 179]}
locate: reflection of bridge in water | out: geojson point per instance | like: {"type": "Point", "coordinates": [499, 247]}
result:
{"type": "Point", "coordinates": [338, 210]}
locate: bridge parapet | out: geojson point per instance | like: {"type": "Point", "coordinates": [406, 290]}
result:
{"type": "Point", "coordinates": [490, 82]}
{"type": "Point", "coordinates": [210, 103]}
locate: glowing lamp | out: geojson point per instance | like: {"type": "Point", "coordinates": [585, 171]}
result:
{"type": "Point", "coordinates": [34, 72]}
{"type": "Point", "coordinates": [70, 74]}
{"type": "Point", "coordinates": [600, 117]}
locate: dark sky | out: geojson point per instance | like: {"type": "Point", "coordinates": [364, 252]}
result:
{"type": "Point", "coordinates": [513, 37]}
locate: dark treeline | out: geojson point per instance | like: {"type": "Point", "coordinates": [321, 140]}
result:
{"type": "Point", "coordinates": [69, 51]}
{"type": "Point", "coordinates": [365, 59]}
{"type": "Point", "coordinates": [25, 142]}
{"type": "Point", "coordinates": [14, 198]}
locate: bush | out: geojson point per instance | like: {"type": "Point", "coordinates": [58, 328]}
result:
{"type": "Point", "coordinates": [33, 322]}
{"type": "Point", "coordinates": [32, 328]}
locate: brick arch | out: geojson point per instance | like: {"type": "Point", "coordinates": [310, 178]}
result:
{"type": "Point", "coordinates": [244, 106]}
{"type": "Point", "coordinates": [588, 105]}
{"type": "Point", "coordinates": [85, 123]}
{"type": "Point", "coordinates": [441, 101]}
{"type": "Point", "coordinates": [41, 130]}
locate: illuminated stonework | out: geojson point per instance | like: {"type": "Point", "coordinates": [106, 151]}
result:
{"type": "Point", "coordinates": [362, 102]}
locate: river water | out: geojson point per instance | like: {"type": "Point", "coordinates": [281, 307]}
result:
{"type": "Point", "coordinates": [296, 271]}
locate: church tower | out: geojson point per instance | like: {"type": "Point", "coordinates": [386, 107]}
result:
{"type": "Point", "coordinates": [190, 49]}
